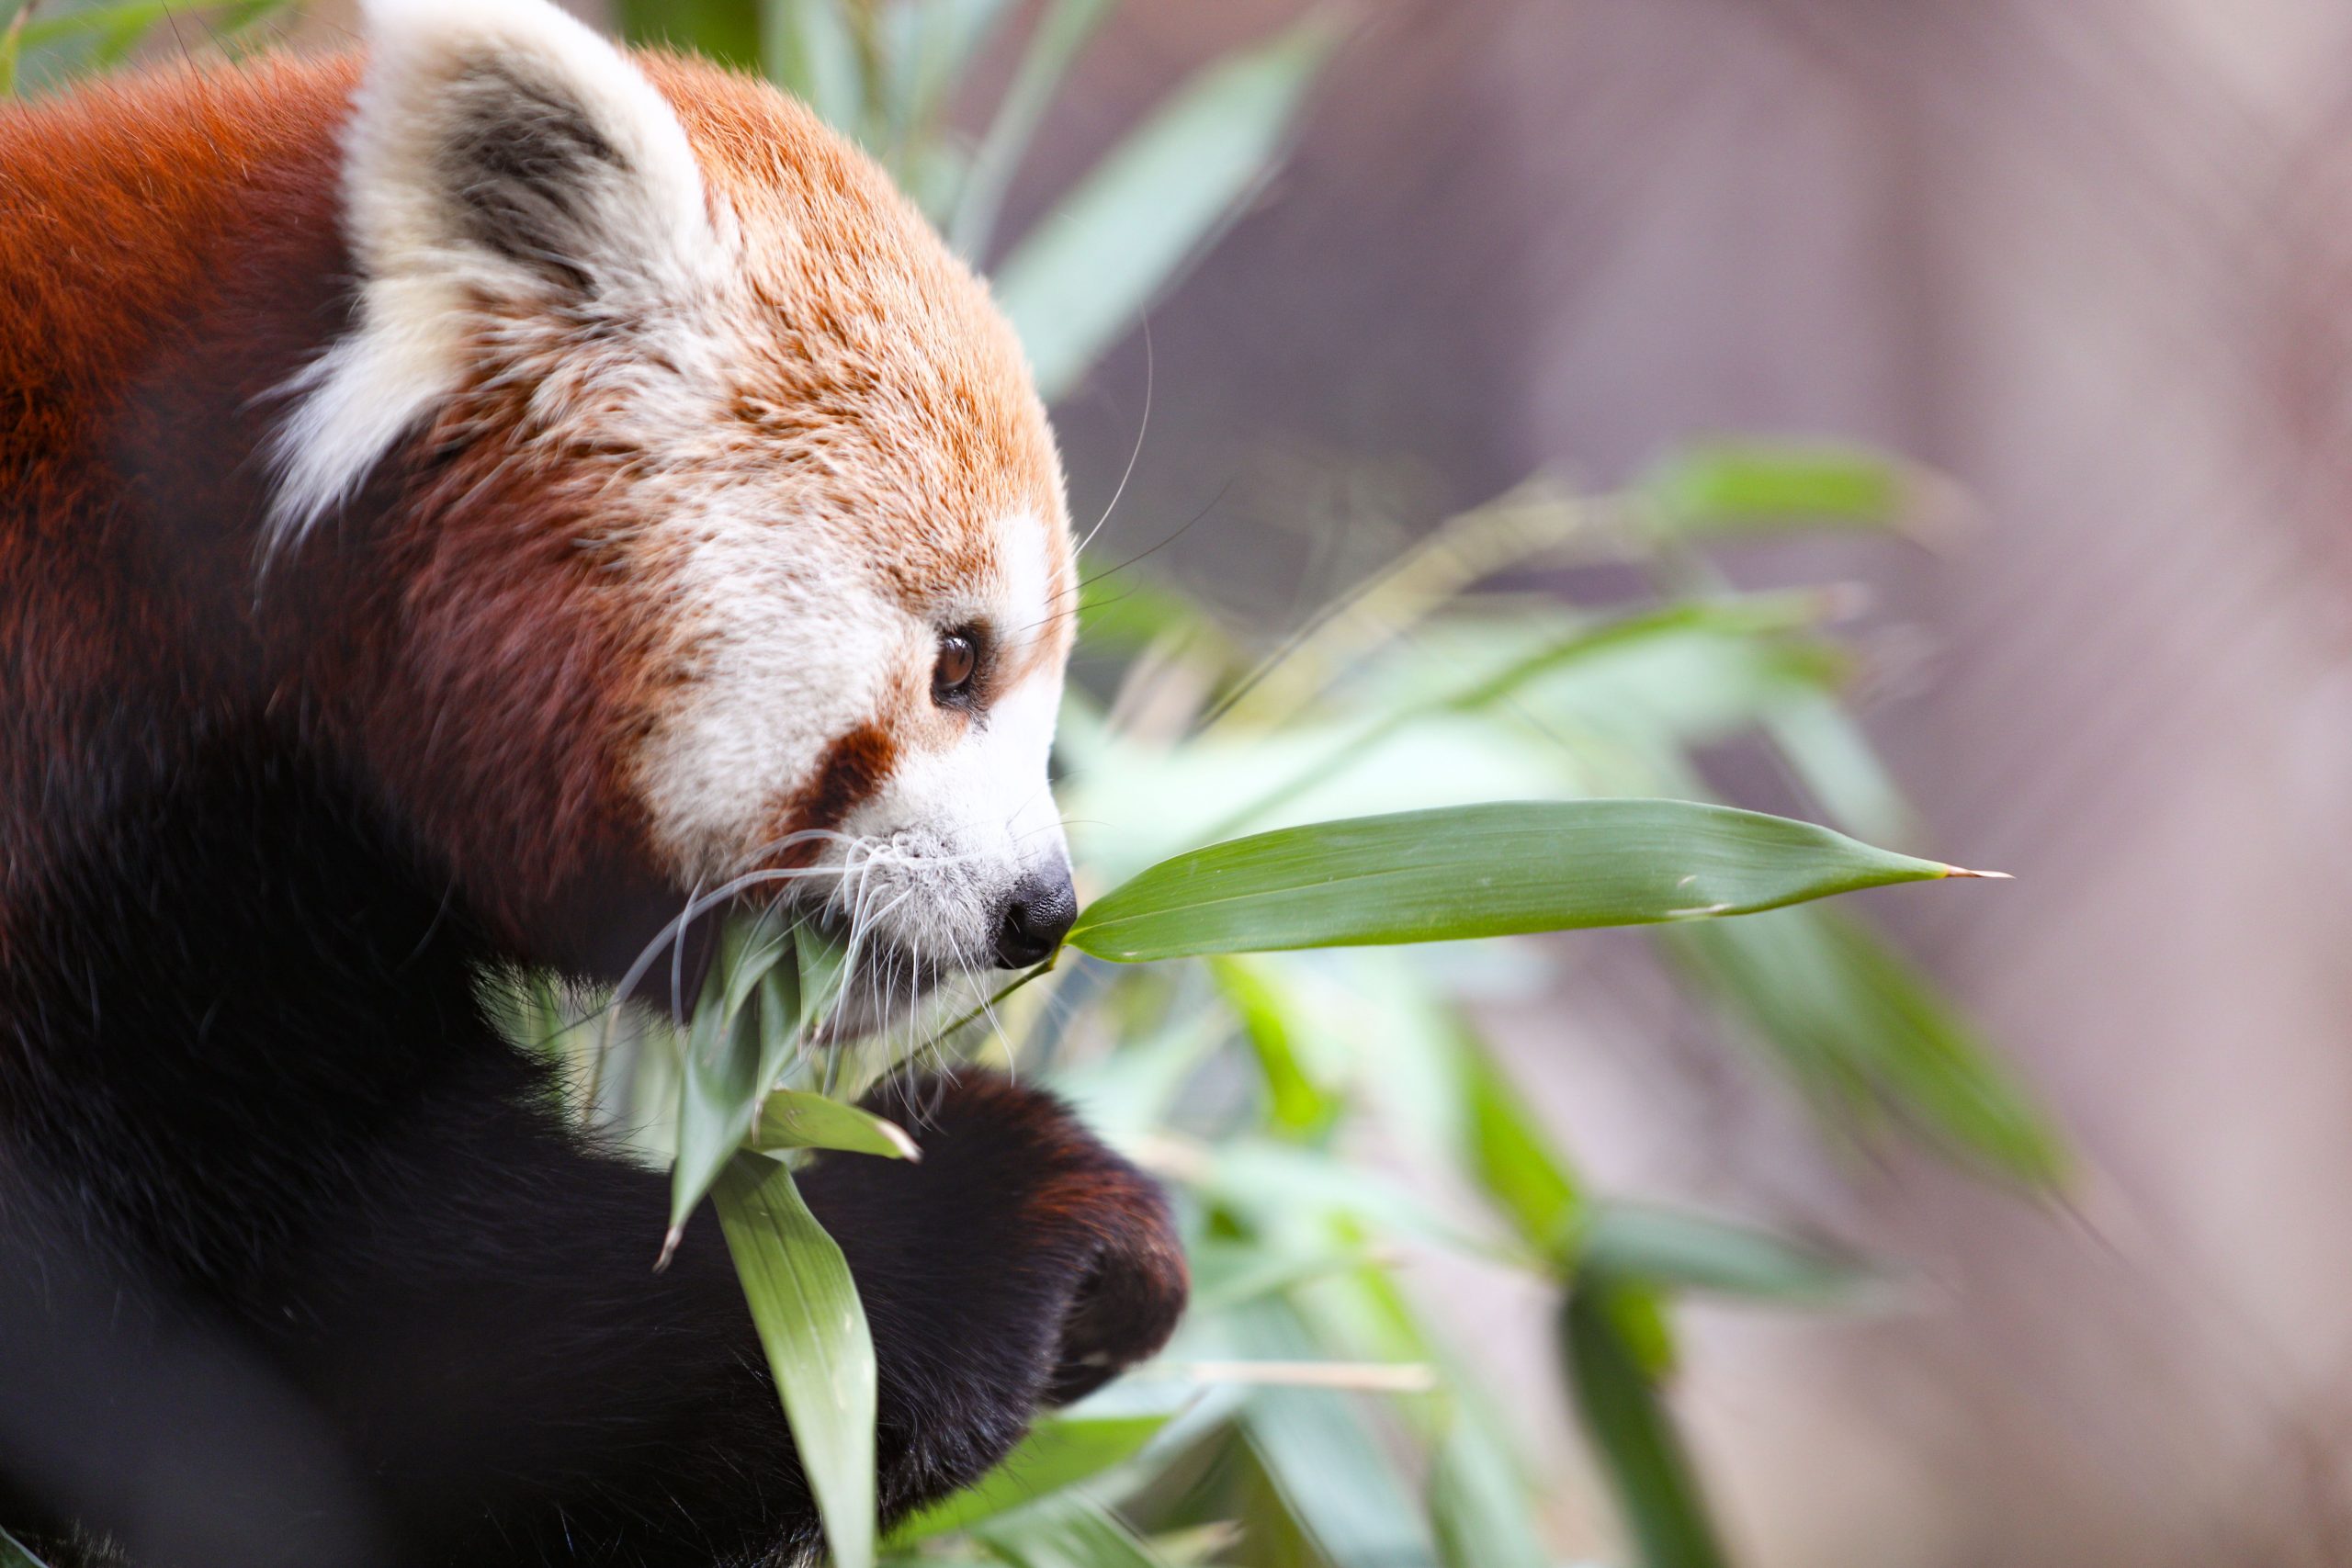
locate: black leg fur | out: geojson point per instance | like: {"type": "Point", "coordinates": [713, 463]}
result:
{"type": "Point", "coordinates": [299, 1265]}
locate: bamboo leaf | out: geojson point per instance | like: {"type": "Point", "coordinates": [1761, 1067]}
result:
{"type": "Point", "coordinates": [1321, 1453]}
{"type": "Point", "coordinates": [1511, 1154]}
{"type": "Point", "coordinates": [795, 1118]}
{"type": "Point", "coordinates": [1476, 870]}
{"type": "Point", "coordinates": [1640, 1451]}
{"type": "Point", "coordinates": [813, 1329]}
{"type": "Point", "coordinates": [809, 49]}
{"type": "Point", "coordinates": [1297, 1105]}
{"type": "Point", "coordinates": [732, 1055]}
{"type": "Point", "coordinates": [824, 968]}
{"type": "Point", "coordinates": [1479, 1511]}
{"type": "Point", "coordinates": [1668, 1248]}
{"type": "Point", "coordinates": [1060, 1451]}
{"type": "Point", "coordinates": [1852, 1020]}
{"type": "Point", "coordinates": [15, 1553]}
{"type": "Point", "coordinates": [1068, 1532]}
{"type": "Point", "coordinates": [117, 26]}
{"type": "Point", "coordinates": [1081, 278]}
{"type": "Point", "coordinates": [1054, 43]}
{"type": "Point", "coordinates": [724, 30]}
{"type": "Point", "coordinates": [1750, 486]}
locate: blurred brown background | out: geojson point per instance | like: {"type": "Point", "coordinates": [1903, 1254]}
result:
{"type": "Point", "coordinates": [2092, 257]}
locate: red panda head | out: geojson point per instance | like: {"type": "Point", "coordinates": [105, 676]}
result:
{"type": "Point", "coordinates": [740, 542]}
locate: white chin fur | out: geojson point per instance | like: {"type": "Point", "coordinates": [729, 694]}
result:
{"type": "Point", "coordinates": [936, 853]}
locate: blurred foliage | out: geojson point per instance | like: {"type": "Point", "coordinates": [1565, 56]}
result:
{"type": "Point", "coordinates": [47, 41]}
{"type": "Point", "coordinates": [1322, 1114]}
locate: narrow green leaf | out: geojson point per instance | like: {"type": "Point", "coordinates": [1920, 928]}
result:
{"type": "Point", "coordinates": [1742, 486]}
{"type": "Point", "coordinates": [1228, 1274]}
{"type": "Point", "coordinates": [1297, 1105]}
{"type": "Point", "coordinates": [1083, 276]}
{"type": "Point", "coordinates": [929, 45]}
{"type": "Point", "coordinates": [1321, 1455]}
{"type": "Point", "coordinates": [1059, 35]}
{"type": "Point", "coordinates": [15, 1553]}
{"type": "Point", "coordinates": [1476, 870]}
{"type": "Point", "coordinates": [117, 26]}
{"type": "Point", "coordinates": [795, 1118]}
{"type": "Point", "coordinates": [757, 944]}
{"type": "Point", "coordinates": [813, 1329]}
{"type": "Point", "coordinates": [1852, 1020]}
{"type": "Point", "coordinates": [1479, 1510]}
{"type": "Point", "coordinates": [12, 54]}
{"type": "Point", "coordinates": [1641, 1453]}
{"type": "Point", "coordinates": [733, 1052]}
{"type": "Point", "coordinates": [1128, 615]}
{"type": "Point", "coordinates": [1060, 1451]}
{"type": "Point", "coordinates": [718, 1089]}
{"type": "Point", "coordinates": [724, 30]}
{"type": "Point", "coordinates": [1066, 1532]}
{"type": "Point", "coordinates": [1681, 1251]}
{"type": "Point", "coordinates": [809, 49]}
{"type": "Point", "coordinates": [824, 967]}
{"type": "Point", "coordinates": [1510, 1156]}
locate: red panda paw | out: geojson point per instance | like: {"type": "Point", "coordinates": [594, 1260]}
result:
{"type": "Point", "coordinates": [1020, 1244]}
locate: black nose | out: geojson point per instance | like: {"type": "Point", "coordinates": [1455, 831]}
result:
{"type": "Point", "coordinates": [1035, 918]}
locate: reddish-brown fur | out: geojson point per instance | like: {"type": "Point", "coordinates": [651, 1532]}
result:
{"type": "Point", "coordinates": [199, 210]}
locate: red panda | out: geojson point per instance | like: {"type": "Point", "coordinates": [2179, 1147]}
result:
{"type": "Point", "coordinates": [456, 504]}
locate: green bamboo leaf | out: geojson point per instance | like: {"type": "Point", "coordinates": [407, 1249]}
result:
{"type": "Point", "coordinates": [731, 1056]}
{"type": "Point", "coordinates": [795, 1118]}
{"type": "Point", "coordinates": [1332, 1474]}
{"type": "Point", "coordinates": [1510, 1156]}
{"type": "Point", "coordinates": [1297, 1105]}
{"type": "Point", "coordinates": [1854, 1023]}
{"type": "Point", "coordinates": [724, 30]}
{"type": "Point", "coordinates": [12, 54]}
{"type": "Point", "coordinates": [1054, 43]}
{"type": "Point", "coordinates": [117, 26]}
{"type": "Point", "coordinates": [1748, 486]}
{"type": "Point", "coordinates": [1641, 1453]}
{"type": "Point", "coordinates": [1066, 1532]}
{"type": "Point", "coordinates": [813, 1329]}
{"type": "Point", "coordinates": [1665, 1247]}
{"type": "Point", "coordinates": [15, 1553]}
{"type": "Point", "coordinates": [1083, 276]}
{"type": "Point", "coordinates": [1060, 1451]}
{"type": "Point", "coordinates": [1479, 1509]}
{"type": "Point", "coordinates": [1228, 1274]}
{"type": "Point", "coordinates": [810, 47]}
{"type": "Point", "coordinates": [1476, 870]}
{"type": "Point", "coordinates": [824, 968]}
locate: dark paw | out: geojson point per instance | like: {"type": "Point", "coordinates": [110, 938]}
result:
{"type": "Point", "coordinates": [1095, 1226]}
{"type": "Point", "coordinates": [1057, 1252]}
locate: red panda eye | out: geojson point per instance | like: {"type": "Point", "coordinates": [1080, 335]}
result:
{"type": "Point", "coordinates": [959, 660]}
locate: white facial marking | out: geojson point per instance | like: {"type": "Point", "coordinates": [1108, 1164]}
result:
{"type": "Point", "coordinates": [961, 827]}
{"type": "Point", "coordinates": [927, 863]}
{"type": "Point", "coordinates": [794, 647]}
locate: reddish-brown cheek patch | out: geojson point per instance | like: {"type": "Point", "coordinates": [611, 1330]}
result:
{"type": "Point", "coordinates": [847, 775]}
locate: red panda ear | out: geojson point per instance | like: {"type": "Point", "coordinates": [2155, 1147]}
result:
{"type": "Point", "coordinates": [499, 155]}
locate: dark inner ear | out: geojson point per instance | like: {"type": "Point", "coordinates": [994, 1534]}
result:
{"type": "Point", "coordinates": [527, 168]}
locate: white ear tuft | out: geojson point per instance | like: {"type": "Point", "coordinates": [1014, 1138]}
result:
{"type": "Point", "coordinates": [498, 152]}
